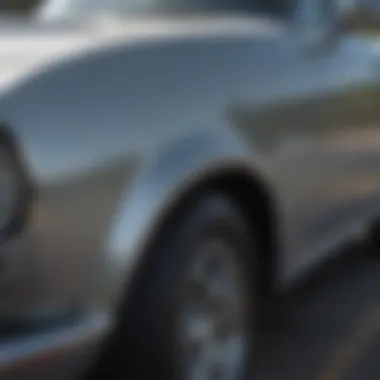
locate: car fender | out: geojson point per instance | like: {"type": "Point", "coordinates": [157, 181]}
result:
{"type": "Point", "coordinates": [162, 180]}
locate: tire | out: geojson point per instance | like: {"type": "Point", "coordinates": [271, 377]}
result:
{"type": "Point", "coordinates": [372, 240]}
{"type": "Point", "coordinates": [151, 339]}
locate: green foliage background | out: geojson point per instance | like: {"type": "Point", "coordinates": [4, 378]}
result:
{"type": "Point", "coordinates": [17, 5]}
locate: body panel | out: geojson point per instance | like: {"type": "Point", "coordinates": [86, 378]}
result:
{"type": "Point", "coordinates": [316, 134]}
{"type": "Point", "coordinates": [131, 102]}
{"type": "Point", "coordinates": [114, 133]}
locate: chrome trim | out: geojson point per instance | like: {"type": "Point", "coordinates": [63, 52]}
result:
{"type": "Point", "coordinates": [40, 347]}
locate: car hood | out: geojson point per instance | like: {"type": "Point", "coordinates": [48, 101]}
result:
{"type": "Point", "coordinates": [27, 46]}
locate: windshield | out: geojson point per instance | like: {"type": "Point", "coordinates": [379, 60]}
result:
{"type": "Point", "coordinates": [146, 7]}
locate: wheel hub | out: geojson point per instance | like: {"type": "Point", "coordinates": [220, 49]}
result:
{"type": "Point", "coordinates": [214, 326]}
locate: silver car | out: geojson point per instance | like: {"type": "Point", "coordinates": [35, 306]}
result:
{"type": "Point", "coordinates": [167, 165]}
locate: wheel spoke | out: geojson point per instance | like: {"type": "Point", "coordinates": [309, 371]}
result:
{"type": "Point", "coordinates": [233, 350]}
{"type": "Point", "coordinates": [213, 324]}
{"type": "Point", "coordinates": [197, 329]}
{"type": "Point", "coordinates": [200, 369]}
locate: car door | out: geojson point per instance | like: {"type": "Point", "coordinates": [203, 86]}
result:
{"type": "Point", "coordinates": [344, 159]}
{"type": "Point", "coordinates": [336, 186]}
{"type": "Point", "coordinates": [316, 123]}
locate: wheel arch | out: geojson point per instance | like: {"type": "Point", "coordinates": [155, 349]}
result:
{"type": "Point", "coordinates": [167, 184]}
{"type": "Point", "coordinates": [253, 198]}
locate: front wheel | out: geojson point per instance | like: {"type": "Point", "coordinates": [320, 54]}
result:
{"type": "Point", "coordinates": [192, 315]}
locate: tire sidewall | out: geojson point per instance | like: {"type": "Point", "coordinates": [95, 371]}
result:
{"type": "Point", "coordinates": [211, 217]}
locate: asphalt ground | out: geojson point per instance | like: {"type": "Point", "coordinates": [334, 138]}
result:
{"type": "Point", "coordinates": [328, 327]}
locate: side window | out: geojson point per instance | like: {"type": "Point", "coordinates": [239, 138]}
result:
{"type": "Point", "coordinates": [273, 8]}
{"type": "Point", "coordinates": [327, 11]}
{"type": "Point", "coordinates": [317, 17]}
{"type": "Point", "coordinates": [320, 13]}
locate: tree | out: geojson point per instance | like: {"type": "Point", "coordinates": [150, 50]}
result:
{"type": "Point", "coordinates": [18, 5]}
